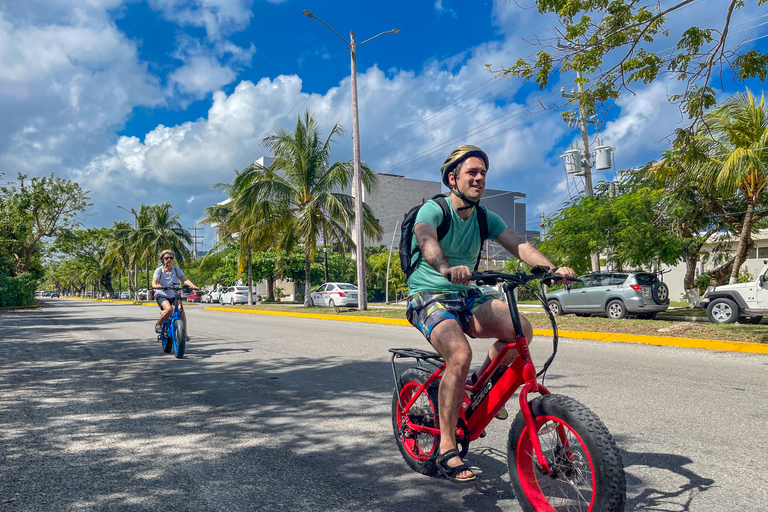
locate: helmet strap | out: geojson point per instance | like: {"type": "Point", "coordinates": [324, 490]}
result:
{"type": "Point", "coordinates": [468, 201]}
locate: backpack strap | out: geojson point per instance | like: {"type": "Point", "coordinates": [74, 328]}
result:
{"type": "Point", "coordinates": [445, 224]}
{"type": "Point", "coordinates": [482, 222]}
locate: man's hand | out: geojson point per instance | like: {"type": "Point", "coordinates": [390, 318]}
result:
{"type": "Point", "coordinates": [565, 272]}
{"type": "Point", "coordinates": [458, 275]}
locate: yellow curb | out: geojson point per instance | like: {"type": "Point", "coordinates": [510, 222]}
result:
{"type": "Point", "coordinates": [133, 303]}
{"type": "Point", "coordinates": [360, 319]}
{"type": "Point", "coordinates": [729, 346]}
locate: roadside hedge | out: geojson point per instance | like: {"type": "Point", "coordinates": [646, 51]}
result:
{"type": "Point", "coordinates": [17, 291]}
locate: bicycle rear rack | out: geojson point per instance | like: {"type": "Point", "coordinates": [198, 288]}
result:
{"type": "Point", "coordinates": [426, 356]}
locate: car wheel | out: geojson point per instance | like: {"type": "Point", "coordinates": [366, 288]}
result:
{"type": "Point", "coordinates": [660, 293]}
{"type": "Point", "coordinates": [722, 311]}
{"type": "Point", "coordinates": [331, 304]}
{"type": "Point", "coordinates": [554, 307]}
{"type": "Point", "coordinates": [616, 310]}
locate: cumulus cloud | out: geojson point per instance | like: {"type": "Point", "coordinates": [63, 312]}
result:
{"type": "Point", "coordinates": [219, 18]}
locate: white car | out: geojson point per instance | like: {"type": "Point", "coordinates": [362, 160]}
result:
{"type": "Point", "coordinates": [234, 295]}
{"type": "Point", "coordinates": [335, 294]}
{"type": "Point", "coordinates": [125, 295]}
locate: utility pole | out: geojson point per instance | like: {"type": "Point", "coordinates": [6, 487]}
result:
{"type": "Point", "coordinates": [541, 237]}
{"type": "Point", "coordinates": [586, 165]}
{"type": "Point", "coordinates": [195, 237]}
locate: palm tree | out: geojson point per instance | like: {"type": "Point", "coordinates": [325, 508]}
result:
{"type": "Point", "coordinates": [119, 253]}
{"type": "Point", "coordinates": [158, 230]}
{"type": "Point", "coordinates": [297, 199]}
{"type": "Point", "coordinates": [735, 140]}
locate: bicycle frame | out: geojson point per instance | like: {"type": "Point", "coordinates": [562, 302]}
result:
{"type": "Point", "coordinates": [168, 324]}
{"type": "Point", "coordinates": [493, 388]}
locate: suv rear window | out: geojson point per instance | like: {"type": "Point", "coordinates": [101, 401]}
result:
{"type": "Point", "coordinates": [646, 279]}
{"type": "Point", "coordinates": [617, 279]}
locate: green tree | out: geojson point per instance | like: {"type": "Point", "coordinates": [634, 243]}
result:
{"type": "Point", "coordinates": [296, 201]}
{"type": "Point", "coordinates": [31, 212]}
{"type": "Point", "coordinates": [610, 43]}
{"type": "Point", "coordinates": [160, 229]}
{"type": "Point", "coordinates": [733, 139]}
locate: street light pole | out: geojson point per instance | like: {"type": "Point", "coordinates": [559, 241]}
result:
{"type": "Point", "coordinates": [357, 185]}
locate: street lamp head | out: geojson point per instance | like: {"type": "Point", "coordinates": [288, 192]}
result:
{"type": "Point", "coordinates": [308, 14]}
{"type": "Point", "coordinates": [394, 31]}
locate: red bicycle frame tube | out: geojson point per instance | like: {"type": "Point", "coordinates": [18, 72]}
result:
{"type": "Point", "coordinates": [407, 408]}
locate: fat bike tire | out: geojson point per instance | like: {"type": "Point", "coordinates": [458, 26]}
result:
{"type": "Point", "coordinates": [419, 449]}
{"type": "Point", "coordinates": [588, 475]}
{"type": "Point", "coordinates": [179, 343]}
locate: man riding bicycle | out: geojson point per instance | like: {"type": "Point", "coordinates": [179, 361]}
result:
{"type": "Point", "coordinates": [167, 275]}
{"type": "Point", "coordinates": [441, 303]}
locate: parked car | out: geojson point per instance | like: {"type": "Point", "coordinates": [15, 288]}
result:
{"type": "Point", "coordinates": [125, 295]}
{"type": "Point", "coordinates": [54, 293]}
{"type": "Point", "coordinates": [746, 302]}
{"type": "Point", "coordinates": [195, 297]}
{"type": "Point", "coordinates": [234, 295]}
{"type": "Point", "coordinates": [335, 294]}
{"type": "Point", "coordinates": [615, 294]}
{"type": "Point", "coordinates": [214, 295]}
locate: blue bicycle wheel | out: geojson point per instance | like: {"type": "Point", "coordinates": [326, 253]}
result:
{"type": "Point", "coordinates": [165, 337]}
{"type": "Point", "coordinates": [179, 337]}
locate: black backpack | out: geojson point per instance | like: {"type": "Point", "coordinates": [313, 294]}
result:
{"type": "Point", "coordinates": [407, 263]}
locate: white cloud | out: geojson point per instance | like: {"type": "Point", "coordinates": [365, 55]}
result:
{"type": "Point", "coordinates": [219, 17]}
{"type": "Point", "coordinates": [201, 75]}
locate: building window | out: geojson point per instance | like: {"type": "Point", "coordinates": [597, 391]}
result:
{"type": "Point", "coordinates": [762, 252]}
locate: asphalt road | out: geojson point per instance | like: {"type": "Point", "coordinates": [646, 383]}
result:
{"type": "Point", "coordinates": [269, 413]}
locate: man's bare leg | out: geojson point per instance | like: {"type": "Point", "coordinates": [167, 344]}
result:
{"type": "Point", "coordinates": [492, 320]}
{"type": "Point", "coordinates": [451, 343]}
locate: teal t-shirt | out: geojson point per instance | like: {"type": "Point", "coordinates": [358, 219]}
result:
{"type": "Point", "coordinates": [461, 245]}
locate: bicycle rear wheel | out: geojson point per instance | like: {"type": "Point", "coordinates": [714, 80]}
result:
{"type": "Point", "coordinates": [179, 337]}
{"type": "Point", "coordinates": [587, 472]}
{"type": "Point", "coordinates": [419, 449]}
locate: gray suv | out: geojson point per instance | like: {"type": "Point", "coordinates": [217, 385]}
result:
{"type": "Point", "coordinates": [615, 294]}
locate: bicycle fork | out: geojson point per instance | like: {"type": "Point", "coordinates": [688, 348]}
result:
{"type": "Point", "coordinates": [532, 385]}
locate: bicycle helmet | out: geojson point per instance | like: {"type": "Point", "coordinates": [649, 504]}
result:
{"type": "Point", "coordinates": [457, 156]}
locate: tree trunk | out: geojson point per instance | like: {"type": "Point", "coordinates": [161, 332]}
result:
{"type": "Point", "coordinates": [717, 276]}
{"type": "Point", "coordinates": [250, 277]}
{"type": "Point", "coordinates": [149, 262]}
{"type": "Point", "coordinates": [271, 288]}
{"type": "Point", "coordinates": [744, 241]}
{"type": "Point", "coordinates": [307, 280]}
{"type": "Point", "coordinates": [691, 259]}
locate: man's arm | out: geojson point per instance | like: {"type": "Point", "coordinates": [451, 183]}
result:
{"type": "Point", "coordinates": [183, 280]}
{"type": "Point", "coordinates": [155, 282]}
{"type": "Point", "coordinates": [426, 235]}
{"type": "Point", "coordinates": [527, 253]}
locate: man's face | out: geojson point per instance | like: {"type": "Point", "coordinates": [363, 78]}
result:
{"type": "Point", "coordinates": [469, 178]}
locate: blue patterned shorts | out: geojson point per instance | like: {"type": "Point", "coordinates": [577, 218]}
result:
{"type": "Point", "coordinates": [427, 309]}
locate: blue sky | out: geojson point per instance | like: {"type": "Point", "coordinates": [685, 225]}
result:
{"type": "Point", "coordinates": [150, 101]}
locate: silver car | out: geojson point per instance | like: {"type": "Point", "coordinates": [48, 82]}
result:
{"type": "Point", "coordinates": [615, 294]}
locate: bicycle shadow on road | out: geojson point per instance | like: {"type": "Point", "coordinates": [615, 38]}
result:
{"type": "Point", "coordinates": [641, 497]}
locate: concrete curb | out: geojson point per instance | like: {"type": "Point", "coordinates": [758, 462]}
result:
{"type": "Point", "coordinates": [718, 345]}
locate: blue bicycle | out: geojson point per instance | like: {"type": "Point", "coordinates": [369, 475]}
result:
{"type": "Point", "coordinates": [173, 335]}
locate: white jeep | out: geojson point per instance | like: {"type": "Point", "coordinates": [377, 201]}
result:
{"type": "Point", "coordinates": [747, 302]}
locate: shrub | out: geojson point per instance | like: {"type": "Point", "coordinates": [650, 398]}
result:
{"type": "Point", "coordinates": [17, 291]}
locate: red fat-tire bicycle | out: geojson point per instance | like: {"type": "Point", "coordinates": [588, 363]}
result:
{"type": "Point", "coordinates": [561, 457]}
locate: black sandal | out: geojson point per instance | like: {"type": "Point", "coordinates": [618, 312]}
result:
{"type": "Point", "coordinates": [450, 472]}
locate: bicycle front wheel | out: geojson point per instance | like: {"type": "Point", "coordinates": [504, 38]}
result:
{"type": "Point", "coordinates": [587, 472]}
{"type": "Point", "coordinates": [179, 337]}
